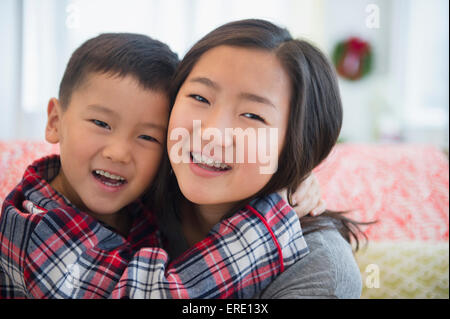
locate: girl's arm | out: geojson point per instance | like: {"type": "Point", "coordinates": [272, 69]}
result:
{"type": "Point", "coordinates": [328, 271]}
{"type": "Point", "coordinates": [239, 258]}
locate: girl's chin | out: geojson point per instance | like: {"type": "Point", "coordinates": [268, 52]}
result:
{"type": "Point", "coordinates": [208, 199]}
{"type": "Point", "coordinates": [198, 198]}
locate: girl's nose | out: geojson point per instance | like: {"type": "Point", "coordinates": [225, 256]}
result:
{"type": "Point", "coordinates": [217, 128]}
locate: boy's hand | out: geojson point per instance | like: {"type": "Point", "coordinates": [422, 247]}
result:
{"type": "Point", "coordinates": [307, 198]}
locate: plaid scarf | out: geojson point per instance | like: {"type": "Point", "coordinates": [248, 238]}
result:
{"type": "Point", "coordinates": [54, 250]}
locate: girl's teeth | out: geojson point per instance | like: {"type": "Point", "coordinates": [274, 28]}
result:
{"type": "Point", "coordinates": [208, 161]}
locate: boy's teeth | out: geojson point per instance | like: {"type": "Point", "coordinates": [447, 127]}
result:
{"type": "Point", "coordinates": [198, 158]}
{"type": "Point", "coordinates": [109, 175]}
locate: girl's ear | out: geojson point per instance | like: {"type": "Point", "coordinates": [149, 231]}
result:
{"type": "Point", "coordinates": [54, 114]}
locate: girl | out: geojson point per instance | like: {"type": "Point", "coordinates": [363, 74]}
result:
{"type": "Point", "coordinates": [253, 76]}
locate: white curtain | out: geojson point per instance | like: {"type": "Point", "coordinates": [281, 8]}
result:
{"type": "Point", "coordinates": [409, 83]}
{"type": "Point", "coordinates": [426, 101]}
{"type": "Point", "coordinates": [42, 35]}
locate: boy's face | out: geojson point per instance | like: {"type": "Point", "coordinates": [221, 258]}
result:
{"type": "Point", "coordinates": [112, 136]}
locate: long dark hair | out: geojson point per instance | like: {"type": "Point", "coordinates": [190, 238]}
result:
{"type": "Point", "coordinates": [315, 115]}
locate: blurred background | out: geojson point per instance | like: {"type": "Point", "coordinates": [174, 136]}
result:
{"type": "Point", "coordinates": [392, 56]}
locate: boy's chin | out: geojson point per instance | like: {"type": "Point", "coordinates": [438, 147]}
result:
{"type": "Point", "coordinates": [99, 212]}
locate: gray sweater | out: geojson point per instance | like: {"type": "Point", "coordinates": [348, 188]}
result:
{"type": "Point", "coordinates": [328, 271]}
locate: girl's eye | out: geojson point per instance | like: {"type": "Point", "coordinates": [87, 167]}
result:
{"type": "Point", "coordinates": [148, 138]}
{"type": "Point", "coordinates": [199, 98]}
{"type": "Point", "coordinates": [101, 124]}
{"type": "Point", "coordinates": [254, 117]}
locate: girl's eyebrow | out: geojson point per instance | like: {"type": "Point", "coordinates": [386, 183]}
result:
{"type": "Point", "coordinates": [256, 98]}
{"type": "Point", "coordinates": [243, 95]}
{"type": "Point", "coordinates": [206, 81]}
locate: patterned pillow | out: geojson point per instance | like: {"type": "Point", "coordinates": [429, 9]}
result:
{"type": "Point", "coordinates": [406, 188]}
{"type": "Point", "coordinates": [404, 270]}
{"type": "Point", "coordinates": [15, 156]}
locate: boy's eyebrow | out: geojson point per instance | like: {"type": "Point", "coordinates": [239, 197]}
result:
{"type": "Point", "coordinates": [101, 108]}
{"type": "Point", "coordinates": [243, 95]}
{"type": "Point", "coordinates": [104, 109]}
{"type": "Point", "coordinates": [153, 125]}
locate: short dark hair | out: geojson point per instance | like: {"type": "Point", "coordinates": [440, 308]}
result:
{"type": "Point", "coordinates": [151, 62]}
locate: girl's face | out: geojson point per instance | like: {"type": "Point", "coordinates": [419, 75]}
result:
{"type": "Point", "coordinates": [239, 99]}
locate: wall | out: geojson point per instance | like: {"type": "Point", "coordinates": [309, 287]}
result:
{"type": "Point", "coordinates": [10, 29]}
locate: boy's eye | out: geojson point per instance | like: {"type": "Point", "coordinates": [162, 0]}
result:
{"type": "Point", "coordinates": [199, 98]}
{"type": "Point", "coordinates": [148, 138]}
{"type": "Point", "coordinates": [254, 117]}
{"type": "Point", "coordinates": [101, 124]}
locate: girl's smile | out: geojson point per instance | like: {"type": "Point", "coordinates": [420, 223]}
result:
{"type": "Point", "coordinates": [204, 166]}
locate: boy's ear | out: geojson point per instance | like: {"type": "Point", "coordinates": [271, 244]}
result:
{"type": "Point", "coordinates": [54, 114]}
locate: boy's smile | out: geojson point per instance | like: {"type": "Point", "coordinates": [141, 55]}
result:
{"type": "Point", "coordinates": [111, 137]}
{"type": "Point", "coordinates": [112, 181]}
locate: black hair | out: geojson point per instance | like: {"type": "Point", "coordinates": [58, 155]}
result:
{"type": "Point", "coordinates": [151, 62]}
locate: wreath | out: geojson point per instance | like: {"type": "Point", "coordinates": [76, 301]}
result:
{"type": "Point", "coordinates": [352, 58]}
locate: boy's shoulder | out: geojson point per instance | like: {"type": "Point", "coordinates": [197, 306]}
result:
{"type": "Point", "coordinates": [35, 185]}
{"type": "Point", "coordinates": [41, 234]}
{"type": "Point", "coordinates": [35, 209]}
{"type": "Point", "coordinates": [31, 205]}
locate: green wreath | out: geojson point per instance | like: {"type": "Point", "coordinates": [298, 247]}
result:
{"type": "Point", "coordinates": [353, 58]}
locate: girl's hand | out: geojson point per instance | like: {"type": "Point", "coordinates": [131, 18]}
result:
{"type": "Point", "coordinates": [307, 198]}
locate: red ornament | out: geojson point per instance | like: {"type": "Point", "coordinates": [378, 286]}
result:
{"type": "Point", "coordinates": [352, 58]}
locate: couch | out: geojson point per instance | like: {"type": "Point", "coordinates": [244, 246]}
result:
{"type": "Point", "coordinates": [403, 186]}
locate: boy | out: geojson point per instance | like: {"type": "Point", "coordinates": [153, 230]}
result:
{"type": "Point", "coordinates": [79, 222]}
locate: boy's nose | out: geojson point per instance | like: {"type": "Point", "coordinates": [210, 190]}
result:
{"type": "Point", "coordinates": [117, 152]}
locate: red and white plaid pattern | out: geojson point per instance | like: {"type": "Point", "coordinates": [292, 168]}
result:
{"type": "Point", "coordinates": [61, 252]}
{"type": "Point", "coordinates": [403, 186]}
